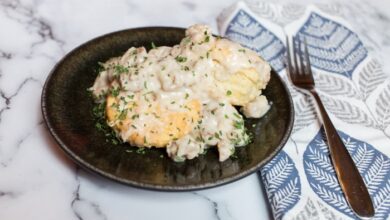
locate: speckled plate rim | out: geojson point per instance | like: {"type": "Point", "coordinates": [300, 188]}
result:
{"type": "Point", "coordinates": [178, 188]}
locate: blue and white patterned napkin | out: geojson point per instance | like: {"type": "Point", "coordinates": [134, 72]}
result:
{"type": "Point", "coordinates": [300, 181]}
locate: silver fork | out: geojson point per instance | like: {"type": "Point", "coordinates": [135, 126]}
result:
{"type": "Point", "coordinates": [352, 185]}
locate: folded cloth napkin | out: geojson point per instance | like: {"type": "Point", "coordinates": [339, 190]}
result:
{"type": "Point", "coordinates": [300, 181]}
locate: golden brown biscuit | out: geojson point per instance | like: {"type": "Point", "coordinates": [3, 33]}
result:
{"type": "Point", "coordinates": [165, 127]}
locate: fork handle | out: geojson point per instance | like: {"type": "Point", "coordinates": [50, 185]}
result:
{"type": "Point", "coordinates": [348, 175]}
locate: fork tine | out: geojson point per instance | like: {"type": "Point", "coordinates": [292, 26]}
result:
{"type": "Point", "coordinates": [307, 60]}
{"type": "Point", "coordinates": [300, 54]}
{"type": "Point", "coordinates": [289, 64]}
{"type": "Point", "coordinates": [295, 56]}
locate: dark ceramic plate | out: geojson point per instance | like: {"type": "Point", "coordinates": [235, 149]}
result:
{"type": "Point", "coordinates": [66, 108]}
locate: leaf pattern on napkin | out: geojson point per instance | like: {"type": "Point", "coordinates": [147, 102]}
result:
{"type": "Point", "coordinates": [309, 211]}
{"type": "Point", "coordinates": [338, 53]}
{"type": "Point", "coordinates": [335, 85]}
{"type": "Point", "coordinates": [246, 30]}
{"type": "Point", "coordinates": [370, 77]}
{"type": "Point", "coordinates": [332, 46]}
{"type": "Point", "coordinates": [282, 182]}
{"type": "Point", "coordinates": [383, 108]}
{"type": "Point", "coordinates": [328, 213]}
{"type": "Point", "coordinates": [281, 16]}
{"type": "Point", "coordinates": [347, 112]}
{"type": "Point", "coordinates": [304, 112]}
{"type": "Point", "coordinates": [372, 165]}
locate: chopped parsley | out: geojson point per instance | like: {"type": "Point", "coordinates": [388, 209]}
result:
{"type": "Point", "coordinates": [186, 40]}
{"type": "Point", "coordinates": [115, 91]}
{"type": "Point", "coordinates": [207, 39]}
{"type": "Point", "coordinates": [122, 115]}
{"type": "Point", "coordinates": [153, 45]}
{"type": "Point", "coordinates": [241, 50]}
{"type": "Point", "coordinates": [140, 150]}
{"type": "Point", "coordinates": [238, 124]}
{"type": "Point", "coordinates": [237, 115]}
{"type": "Point", "coordinates": [99, 115]}
{"type": "Point", "coordinates": [130, 96]}
{"type": "Point", "coordinates": [119, 69]}
{"type": "Point", "coordinates": [181, 59]}
{"type": "Point", "coordinates": [228, 93]}
{"type": "Point", "coordinates": [101, 67]}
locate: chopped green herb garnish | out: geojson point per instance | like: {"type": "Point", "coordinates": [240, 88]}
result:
{"type": "Point", "coordinates": [238, 124]}
{"type": "Point", "coordinates": [114, 141]}
{"type": "Point", "coordinates": [228, 92]}
{"type": "Point", "coordinates": [207, 39]}
{"type": "Point", "coordinates": [181, 59]}
{"type": "Point", "coordinates": [130, 96]}
{"type": "Point", "coordinates": [101, 67]}
{"type": "Point", "coordinates": [122, 115]}
{"type": "Point", "coordinates": [241, 50]}
{"type": "Point", "coordinates": [119, 69]}
{"type": "Point", "coordinates": [115, 92]}
{"type": "Point", "coordinates": [186, 40]}
{"type": "Point", "coordinates": [153, 45]}
{"type": "Point", "coordinates": [187, 95]}
{"type": "Point", "coordinates": [221, 104]}
{"type": "Point", "coordinates": [99, 114]}
{"type": "Point", "coordinates": [140, 150]}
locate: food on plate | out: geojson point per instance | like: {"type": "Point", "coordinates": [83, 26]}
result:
{"type": "Point", "coordinates": [182, 98]}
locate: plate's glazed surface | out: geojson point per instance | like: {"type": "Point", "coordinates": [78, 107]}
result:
{"type": "Point", "coordinates": [67, 110]}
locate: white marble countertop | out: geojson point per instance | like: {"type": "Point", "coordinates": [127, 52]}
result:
{"type": "Point", "coordinates": [38, 181]}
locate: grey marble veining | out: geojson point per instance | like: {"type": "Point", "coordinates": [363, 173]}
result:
{"type": "Point", "coordinates": [37, 181]}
